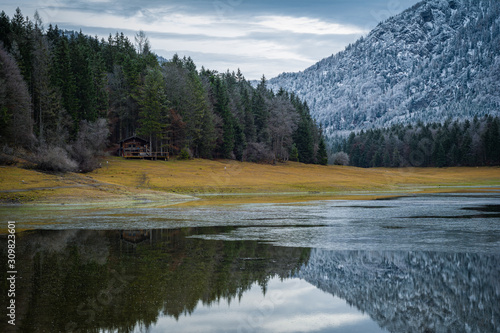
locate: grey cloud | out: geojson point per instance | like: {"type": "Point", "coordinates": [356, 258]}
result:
{"type": "Point", "coordinates": [230, 14]}
{"type": "Point", "coordinates": [252, 67]}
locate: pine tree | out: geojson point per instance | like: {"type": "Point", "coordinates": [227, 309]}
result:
{"type": "Point", "coordinates": [376, 160]}
{"type": "Point", "coordinates": [62, 76]}
{"type": "Point", "coordinates": [153, 112]}
{"type": "Point", "coordinates": [386, 159]}
{"type": "Point", "coordinates": [322, 154]}
{"type": "Point", "coordinates": [304, 140]}
{"type": "Point", "coordinates": [440, 156]}
{"type": "Point", "coordinates": [466, 150]}
{"type": "Point", "coordinates": [201, 122]}
{"type": "Point", "coordinates": [491, 141]}
{"type": "Point", "coordinates": [294, 153]}
{"type": "Point", "coordinates": [22, 46]}
{"type": "Point", "coordinates": [188, 97]}
{"type": "Point", "coordinates": [209, 136]}
{"type": "Point", "coordinates": [221, 109]}
{"type": "Point", "coordinates": [396, 158]}
{"type": "Point", "coordinates": [50, 117]}
{"type": "Point", "coordinates": [261, 111]}
{"type": "Point", "coordinates": [249, 124]}
{"type": "Point", "coordinates": [99, 80]}
{"type": "Point", "coordinates": [81, 67]}
{"type": "Point", "coordinates": [239, 141]}
{"type": "Point", "coordinates": [5, 31]}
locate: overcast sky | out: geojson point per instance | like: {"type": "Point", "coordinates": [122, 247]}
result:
{"type": "Point", "coordinates": [258, 36]}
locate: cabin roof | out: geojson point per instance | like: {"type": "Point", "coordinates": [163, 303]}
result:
{"type": "Point", "coordinates": [134, 137]}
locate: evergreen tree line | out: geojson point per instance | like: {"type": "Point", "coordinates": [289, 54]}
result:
{"type": "Point", "coordinates": [68, 94]}
{"type": "Point", "coordinates": [452, 143]}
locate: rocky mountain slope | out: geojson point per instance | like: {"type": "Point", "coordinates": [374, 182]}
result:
{"type": "Point", "coordinates": [438, 59]}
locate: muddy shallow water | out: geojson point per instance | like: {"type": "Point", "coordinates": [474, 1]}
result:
{"type": "Point", "coordinates": [412, 264]}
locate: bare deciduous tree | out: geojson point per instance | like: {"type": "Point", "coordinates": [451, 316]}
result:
{"type": "Point", "coordinates": [16, 126]}
{"type": "Point", "coordinates": [142, 42]}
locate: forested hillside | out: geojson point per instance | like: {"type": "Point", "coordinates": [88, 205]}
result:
{"type": "Point", "coordinates": [438, 59]}
{"type": "Point", "coordinates": [66, 96]}
{"type": "Point", "coordinates": [465, 143]}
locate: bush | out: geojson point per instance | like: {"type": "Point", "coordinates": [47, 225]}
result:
{"type": "Point", "coordinates": [81, 155]}
{"type": "Point", "coordinates": [54, 159]}
{"type": "Point", "coordinates": [7, 159]}
{"type": "Point", "coordinates": [340, 158]}
{"type": "Point", "coordinates": [6, 156]}
{"type": "Point", "coordinates": [90, 144]}
{"type": "Point", "coordinates": [185, 154]}
{"type": "Point", "coordinates": [85, 158]}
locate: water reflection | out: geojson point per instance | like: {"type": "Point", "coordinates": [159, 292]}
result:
{"type": "Point", "coordinates": [89, 281]}
{"type": "Point", "coordinates": [290, 305]}
{"type": "Point", "coordinates": [133, 280]}
{"type": "Point", "coordinates": [413, 291]}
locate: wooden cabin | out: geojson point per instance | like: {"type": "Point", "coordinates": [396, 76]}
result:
{"type": "Point", "coordinates": [136, 147]}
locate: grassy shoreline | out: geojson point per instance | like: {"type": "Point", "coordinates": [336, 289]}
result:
{"type": "Point", "coordinates": [207, 182]}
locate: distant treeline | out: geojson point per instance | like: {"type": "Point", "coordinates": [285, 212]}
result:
{"type": "Point", "coordinates": [453, 143]}
{"type": "Point", "coordinates": [68, 94]}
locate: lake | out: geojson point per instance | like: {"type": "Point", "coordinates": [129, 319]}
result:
{"type": "Point", "coordinates": [410, 264]}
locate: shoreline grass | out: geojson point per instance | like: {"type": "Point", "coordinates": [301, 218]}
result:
{"type": "Point", "coordinates": [200, 182]}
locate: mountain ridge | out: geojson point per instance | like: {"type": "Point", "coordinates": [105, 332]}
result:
{"type": "Point", "coordinates": [435, 60]}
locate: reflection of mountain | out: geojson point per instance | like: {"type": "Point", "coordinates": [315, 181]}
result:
{"type": "Point", "coordinates": [413, 291]}
{"type": "Point", "coordinates": [91, 281]}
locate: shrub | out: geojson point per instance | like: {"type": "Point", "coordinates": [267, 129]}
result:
{"type": "Point", "coordinates": [7, 159]}
{"type": "Point", "coordinates": [90, 144]}
{"type": "Point", "coordinates": [54, 159]}
{"type": "Point", "coordinates": [185, 154]}
{"type": "Point", "coordinates": [6, 156]}
{"type": "Point", "coordinates": [340, 158]}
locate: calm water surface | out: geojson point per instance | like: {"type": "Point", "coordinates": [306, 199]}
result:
{"type": "Point", "coordinates": [413, 264]}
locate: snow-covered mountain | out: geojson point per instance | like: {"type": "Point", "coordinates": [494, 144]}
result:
{"type": "Point", "coordinates": [437, 59]}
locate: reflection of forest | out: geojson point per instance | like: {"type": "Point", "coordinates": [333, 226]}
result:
{"type": "Point", "coordinates": [414, 291]}
{"type": "Point", "coordinates": [84, 280]}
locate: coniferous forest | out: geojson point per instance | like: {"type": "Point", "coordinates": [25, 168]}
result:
{"type": "Point", "coordinates": [65, 97]}
{"type": "Point", "coordinates": [466, 143]}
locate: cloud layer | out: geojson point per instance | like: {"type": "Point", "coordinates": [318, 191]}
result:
{"type": "Point", "coordinates": [259, 37]}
